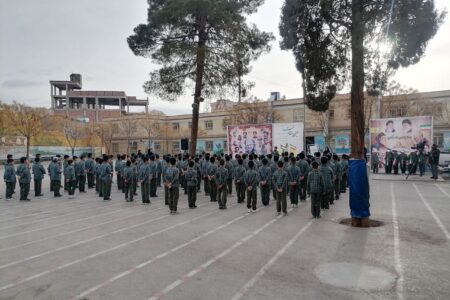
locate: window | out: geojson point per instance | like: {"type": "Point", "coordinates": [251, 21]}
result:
{"type": "Point", "coordinates": [190, 125]}
{"type": "Point", "coordinates": [299, 115]}
{"type": "Point", "coordinates": [349, 113]}
{"type": "Point", "coordinates": [176, 146]}
{"type": "Point", "coordinates": [225, 123]}
{"type": "Point", "coordinates": [133, 147]}
{"type": "Point", "coordinates": [156, 126]}
{"type": "Point", "coordinates": [209, 125]}
{"type": "Point", "coordinates": [157, 147]}
{"type": "Point", "coordinates": [398, 111]}
{"type": "Point", "coordinates": [115, 147]}
{"type": "Point", "coordinates": [331, 113]}
{"type": "Point", "coordinates": [438, 139]}
{"type": "Point", "coordinates": [209, 146]}
{"type": "Point", "coordinates": [176, 126]}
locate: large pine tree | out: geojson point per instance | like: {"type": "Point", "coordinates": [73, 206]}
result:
{"type": "Point", "coordinates": [205, 43]}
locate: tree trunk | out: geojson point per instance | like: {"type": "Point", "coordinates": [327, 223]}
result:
{"type": "Point", "coordinates": [200, 61]}
{"type": "Point", "coordinates": [357, 91]}
{"type": "Point", "coordinates": [28, 147]}
{"type": "Point", "coordinates": [73, 151]}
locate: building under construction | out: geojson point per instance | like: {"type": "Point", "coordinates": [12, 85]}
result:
{"type": "Point", "coordinates": [70, 100]}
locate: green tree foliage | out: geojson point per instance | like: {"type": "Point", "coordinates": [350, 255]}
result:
{"type": "Point", "coordinates": [319, 32]}
{"type": "Point", "coordinates": [205, 43]}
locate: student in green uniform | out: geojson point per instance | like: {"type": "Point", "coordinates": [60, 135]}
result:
{"type": "Point", "coordinates": [55, 176]}
{"type": "Point", "coordinates": [294, 175]}
{"type": "Point", "coordinates": [10, 178]}
{"type": "Point", "coordinates": [304, 170]}
{"type": "Point", "coordinates": [80, 173]}
{"type": "Point", "coordinates": [23, 172]}
{"type": "Point", "coordinates": [344, 171]}
{"type": "Point", "coordinates": [251, 185]}
{"type": "Point", "coordinates": [327, 175]}
{"type": "Point", "coordinates": [90, 168]}
{"type": "Point", "coordinates": [144, 180]}
{"type": "Point", "coordinates": [70, 178]}
{"type": "Point", "coordinates": [164, 169]}
{"type": "Point", "coordinates": [221, 179]}
{"type": "Point", "coordinates": [191, 178]}
{"type": "Point", "coordinates": [337, 177]}
{"type": "Point", "coordinates": [171, 181]}
{"type": "Point", "coordinates": [265, 177]}
{"type": "Point", "coordinates": [98, 181]}
{"type": "Point", "coordinates": [153, 176]}
{"type": "Point", "coordinates": [238, 175]}
{"type": "Point", "coordinates": [280, 180]}
{"type": "Point", "coordinates": [129, 181]}
{"type": "Point", "coordinates": [38, 173]}
{"type": "Point", "coordinates": [212, 179]}
{"type": "Point", "coordinates": [315, 188]}
{"type": "Point", "coordinates": [106, 178]}
{"type": "Point", "coordinates": [229, 166]}
{"type": "Point", "coordinates": [66, 158]}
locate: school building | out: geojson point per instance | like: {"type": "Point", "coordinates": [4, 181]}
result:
{"type": "Point", "coordinates": [163, 133]}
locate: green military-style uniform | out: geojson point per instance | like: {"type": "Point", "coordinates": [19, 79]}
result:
{"type": "Point", "coordinates": [24, 174]}
{"type": "Point", "coordinates": [293, 182]}
{"type": "Point", "coordinates": [337, 178]}
{"type": "Point", "coordinates": [403, 162]}
{"type": "Point", "coordinates": [375, 162]}
{"type": "Point", "coordinates": [327, 175]}
{"type": "Point", "coordinates": [55, 177]}
{"type": "Point", "coordinates": [153, 178]}
{"type": "Point", "coordinates": [204, 166]}
{"type": "Point", "coordinates": [90, 171]}
{"type": "Point", "coordinates": [251, 184]}
{"type": "Point", "coordinates": [65, 164]}
{"type": "Point", "coordinates": [315, 187]}
{"type": "Point", "coordinates": [80, 173]}
{"type": "Point", "coordinates": [229, 166]}
{"type": "Point", "coordinates": [212, 168]}
{"type": "Point", "coordinates": [98, 181]}
{"type": "Point", "coordinates": [280, 180]}
{"type": "Point", "coordinates": [10, 179]}
{"type": "Point", "coordinates": [129, 176]}
{"type": "Point", "coordinates": [144, 178]}
{"type": "Point", "coordinates": [38, 175]}
{"type": "Point", "coordinates": [238, 175]}
{"type": "Point", "coordinates": [265, 178]}
{"type": "Point", "coordinates": [71, 179]}
{"type": "Point", "coordinates": [191, 178]}
{"type": "Point", "coordinates": [221, 179]}
{"type": "Point", "coordinates": [304, 170]}
{"type": "Point", "coordinates": [106, 178]}
{"type": "Point", "coordinates": [171, 180]}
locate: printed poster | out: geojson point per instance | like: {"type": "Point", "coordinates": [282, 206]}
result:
{"type": "Point", "coordinates": [250, 139]}
{"type": "Point", "coordinates": [342, 144]}
{"type": "Point", "coordinates": [400, 134]}
{"type": "Point", "coordinates": [288, 137]}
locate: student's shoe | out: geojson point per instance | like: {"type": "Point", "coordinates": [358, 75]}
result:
{"type": "Point", "coordinates": [253, 211]}
{"type": "Point", "coordinates": [249, 210]}
{"type": "Point", "coordinates": [285, 214]}
{"type": "Point", "coordinates": [279, 213]}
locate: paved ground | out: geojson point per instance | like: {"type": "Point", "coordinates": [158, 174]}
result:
{"type": "Point", "coordinates": [85, 248]}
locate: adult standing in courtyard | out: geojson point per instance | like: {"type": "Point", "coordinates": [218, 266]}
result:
{"type": "Point", "coordinates": [38, 174]}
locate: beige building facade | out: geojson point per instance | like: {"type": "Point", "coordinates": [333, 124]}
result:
{"type": "Point", "coordinates": [163, 133]}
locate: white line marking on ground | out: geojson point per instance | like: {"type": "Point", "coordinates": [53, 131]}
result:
{"type": "Point", "coordinates": [24, 280]}
{"type": "Point", "coordinates": [59, 225]}
{"type": "Point", "coordinates": [436, 218]}
{"type": "Point", "coordinates": [74, 231]}
{"type": "Point", "coordinates": [202, 267]}
{"type": "Point", "coordinates": [442, 190]}
{"type": "Point", "coordinates": [267, 266]}
{"type": "Point", "coordinates": [59, 216]}
{"type": "Point", "coordinates": [97, 237]}
{"type": "Point", "coordinates": [398, 262]}
{"type": "Point", "coordinates": [156, 258]}
{"type": "Point", "coordinates": [49, 211]}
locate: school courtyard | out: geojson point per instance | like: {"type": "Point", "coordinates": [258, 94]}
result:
{"type": "Point", "coordinates": [86, 248]}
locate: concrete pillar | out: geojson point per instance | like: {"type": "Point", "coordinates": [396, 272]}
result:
{"type": "Point", "coordinates": [96, 109]}
{"type": "Point", "coordinates": [52, 96]}
{"type": "Point", "coordinates": [67, 101]}
{"type": "Point", "coordinates": [128, 108]}
{"type": "Point", "coordinates": [120, 106]}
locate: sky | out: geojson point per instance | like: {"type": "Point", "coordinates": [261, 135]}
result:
{"type": "Point", "coordinates": [50, 39]}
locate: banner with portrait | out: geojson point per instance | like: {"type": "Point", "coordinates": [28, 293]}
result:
{"type": "Point", "coordinates": [250, 139]}
{"type": "Point", "coordinates": [400, 134]}
{"type": "Point", "coordinates": [288, 137]}
{"type": "Point", "coordinates": [342, 144]}
{"type": "Point", "coordinates": [446, 141]}
{"type": "Point", "coordinates": [201, 146]}
{"type": "Point", "coordinates": [218, 147]}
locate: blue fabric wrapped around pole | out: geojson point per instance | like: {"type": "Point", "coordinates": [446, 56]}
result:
{"type": "Point", "coordinates": [358, 182]}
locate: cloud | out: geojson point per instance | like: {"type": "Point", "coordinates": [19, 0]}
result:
{"type": "Point", "coordinates": [20, 83]}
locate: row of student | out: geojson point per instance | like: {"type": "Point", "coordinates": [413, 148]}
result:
{"type": "Point", "coordinates": [283, 175]}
